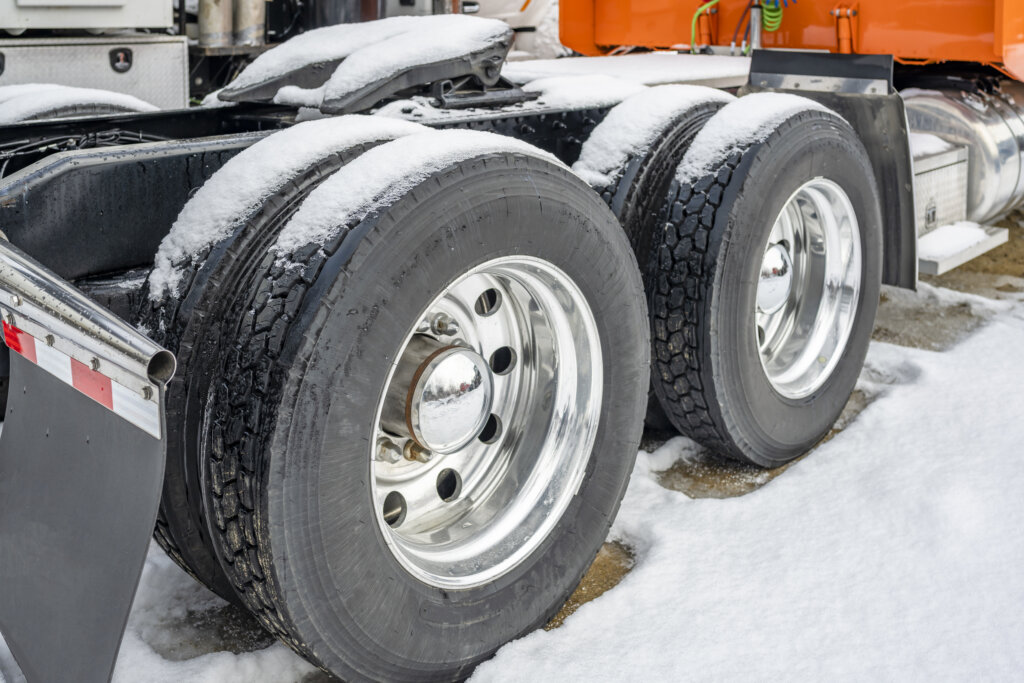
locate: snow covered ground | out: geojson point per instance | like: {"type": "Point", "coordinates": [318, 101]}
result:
{"type": "Point", "coordinates": [892, 552]}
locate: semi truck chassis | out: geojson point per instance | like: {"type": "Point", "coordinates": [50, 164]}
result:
{"type": "Point", "coordinates": [480, 305]}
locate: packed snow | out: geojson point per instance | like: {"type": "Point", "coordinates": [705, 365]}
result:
{"type": "Point", "coordinates": [926, 145]}
{"type": "Point", "coordinates": [632, 126]}
{"type": "Point", "coordinates": [653, 68]}
{"type": "Point", "coordinates": [228, 198]}
{"type": "Point", "coordinates": [9, 92]}
{"type": "Point", "coordinates": [320, 45]}
{"type": "Point", "coordinates": [370, 51]}
{"type": "Point", "coordinates": [382, 175]}
{"type": "Point", "coordinates": [949, 240]}
{"type": "Point", "coordinates": [581, 92]}
{"type": "Point", "coordinates": [892, 552]}
{"type": "Point", "coordinates": [557, 93]}
{"type": "Point", "coordinates": [461, 34]}
{"type": "Point", "coordinates": [35, 100]}
{"type": "Point", "coordinates": [741, 123]}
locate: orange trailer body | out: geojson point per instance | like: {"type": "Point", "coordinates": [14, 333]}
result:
{"type": "Point", "coordinates": [926, 31]}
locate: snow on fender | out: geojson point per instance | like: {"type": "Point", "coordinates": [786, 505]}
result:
{"type": "Point", "coordinates": [40, 101]}
{"type": "Point", "coordinates": [632, 128]}
{"type": "Point", "coordinates": [243, 183]}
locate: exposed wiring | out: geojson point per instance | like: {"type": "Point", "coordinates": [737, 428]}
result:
{"type": "Point", "coordinates": [736, 31]}
{"type": "Point", "coordinates": [693, 24]}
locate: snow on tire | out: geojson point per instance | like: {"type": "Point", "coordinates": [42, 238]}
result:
{"type": "Point", "coordinates": [629, 160]}
{"type": "Point", "coordinates": [232, 220]}
{"type": "Point", "coordinates": [429, 403]}
{"type": "Point", "coordinates": [768, 273]}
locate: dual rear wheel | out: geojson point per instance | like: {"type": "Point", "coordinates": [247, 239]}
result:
{"type": "Point", "coordinates": [401, 446]}
{"type": "Point", "coordinates": [410, 439]}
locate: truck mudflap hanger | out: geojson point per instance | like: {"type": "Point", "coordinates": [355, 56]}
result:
{"type": "Point", "coordinates": [80, 474]}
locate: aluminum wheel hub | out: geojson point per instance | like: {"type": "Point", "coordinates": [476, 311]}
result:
{"type": "Point", "coordinates": [487, 422]}
{"type": "Point", "coordinates": [808, 288]}
{"type": "Point", "coordinates": [776, 281]}
{"type": "Point", "coordinates": [451, 399]}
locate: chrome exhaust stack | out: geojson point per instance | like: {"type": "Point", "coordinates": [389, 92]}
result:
{"type": "Point", "coordinates": [216, 23]}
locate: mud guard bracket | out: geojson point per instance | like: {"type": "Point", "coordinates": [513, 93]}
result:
{"type": "Point", "coordinates": [858, 88]}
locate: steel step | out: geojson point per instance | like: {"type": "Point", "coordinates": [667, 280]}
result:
{"type": "Point", "coordinates": [949, 246]}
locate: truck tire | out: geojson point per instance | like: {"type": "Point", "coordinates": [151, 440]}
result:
{"type": "Point", "coordinates": [381, 557]}
{"type": "Point", "coordinates": [768, 275]}
{"type": "Point", "coordinates": [182, 325]}
{"type": "Point", "coordinates": [638, 191]}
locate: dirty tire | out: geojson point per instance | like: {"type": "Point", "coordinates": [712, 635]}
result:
{"type": "Point", "coordinates": [707, 370]}
{"type": "Point", "coordinates": [638, 194]}
{"type": "Point", "coordinates": [185, 324]}
{"type": "Point", "coordinates": [637, 199]}
{"type": "Point", "coordinates": [288, 479]}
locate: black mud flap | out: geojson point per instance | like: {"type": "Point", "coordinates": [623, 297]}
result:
{"type": "Point", "coordinates": [79, 489]}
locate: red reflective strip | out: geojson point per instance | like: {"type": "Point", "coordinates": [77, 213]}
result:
{"type": "Point", "coordinates": [92, 384]}
{"type": "Point", "coordinates": [19, 341]}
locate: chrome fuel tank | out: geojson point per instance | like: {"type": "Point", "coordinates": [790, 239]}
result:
{"type": "Point", "coordinates": [991, 126]}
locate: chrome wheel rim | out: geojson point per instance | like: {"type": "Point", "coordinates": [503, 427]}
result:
{"type": "Point", "coordinates": [486, 423]}
{"type": "Point", "coordinates": [808, 288]}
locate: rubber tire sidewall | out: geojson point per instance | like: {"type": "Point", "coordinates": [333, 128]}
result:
{"type": "Point", "coordinates": [766, 426]}
{"type": "Point", "coordinates": [352, 591]}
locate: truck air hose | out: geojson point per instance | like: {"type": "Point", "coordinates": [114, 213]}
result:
{"type": "Point", "coordinates": [771, 15]}
{"type": "Point", "coordinates": [693, 24]}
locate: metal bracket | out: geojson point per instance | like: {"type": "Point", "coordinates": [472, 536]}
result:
{"type": "Point", "coordinates": [858, 88]}
{"type": "Point", "coordinates": [466, 93]}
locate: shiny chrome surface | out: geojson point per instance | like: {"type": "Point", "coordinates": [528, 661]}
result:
{"type": "Point", "coordinates": [456, 512]}
{"type": "Point", "coordinates": [991, 126]}
{"type": "Point", "coordinates": [808, 288]}
{"type": "Point", "coordinates": [775, 282]}
{"type": "Point", "coordinates": [40, 303]}
{"type": "Point", "coordinates": [451, 401]}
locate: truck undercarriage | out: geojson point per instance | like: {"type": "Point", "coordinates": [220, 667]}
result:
{"type": "Point", "coordinates": [377, 367]}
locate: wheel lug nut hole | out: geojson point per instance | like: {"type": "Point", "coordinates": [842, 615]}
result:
{"type": "Point", "coordinates": [394, 509]}
{"type": "Point", "coordinates": [502, 360]}
{"type": "Point", "coordinates": [449, 485]}
{"type": "Point", "coordinates": [488, 302]}
{"type": "Point", "coordinates": [491, 430]}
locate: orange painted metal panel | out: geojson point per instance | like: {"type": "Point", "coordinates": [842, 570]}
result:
{"type": "Point", "coordinates": [984, 31]}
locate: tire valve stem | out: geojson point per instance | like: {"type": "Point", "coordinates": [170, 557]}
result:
{"type": "Point", "coordinates": [414, 451]}
{"type": "Point", "coordinates": [443, 326]}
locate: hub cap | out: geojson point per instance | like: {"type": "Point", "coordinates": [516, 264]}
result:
{"type": "Point", "coordinates": [808, 288]}
{"type": "Point", "coordinates": [487, 422]}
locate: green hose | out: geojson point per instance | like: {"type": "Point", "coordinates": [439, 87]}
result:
{"type": "Point", "coordinates": [771, 15]}
{"type": "Point", "coordinates": [693, 24]}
